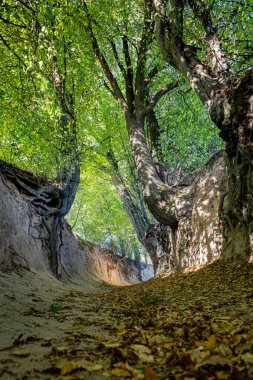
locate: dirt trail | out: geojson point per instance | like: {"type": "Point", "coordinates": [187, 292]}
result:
{"type": "Point", "coordinates": [189, 326]}
{"type": "Point", "coordinates": [39, 313]}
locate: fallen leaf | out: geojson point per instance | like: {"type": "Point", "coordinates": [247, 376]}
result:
{"type": "Point", "coordinates": [215, 360]}
{"type": "Point", "coordinates": [120, 372]}
{"type": "Point", "coordinates": [110, 344]}
{"type": "Point", "coordinates": [78, 326]}
{"type": "Point", "coordinates": [211, 343]}
{"type": "Point", "coordinates": [143, 353]}
{"type": "Point", "coordinates": [59, 349]}
{"type": "Point", "coordinates": [92, 367]}
{"type": "Point", "coordinates": [149, 374]}
{"type": "Point", "coordinates": [121, 332]}
{"type": "Point", "coordinates": [223, 350]}
{"type": "Point", "coordinates": [68, 367]}
{"type": "Point", "coordinates": [21, 353]}
{"type": "Point", "coordinates": [247, 358]}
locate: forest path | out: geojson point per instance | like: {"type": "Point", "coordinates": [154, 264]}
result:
{"type": "Point", "coordinates": [197, 325]}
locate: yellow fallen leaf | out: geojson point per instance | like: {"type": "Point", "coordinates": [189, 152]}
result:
{"type": "Point", "coordinates": [121, 332]}
{"type": "Point", "coordinates": [111, 344]}
{"type": "Point", "coordinates": [21, 353]}
{"type": "Point", "coordinates": [222, 375]}
{"type": "Point", "coordinates": [211, 343]}
{"type": "Point", "coordinates": [167, 345]}
{"type": "Point", "coordinates": [93, 367]}
{"type": "Point", "coordinates": [120, 372]}
{"type": "Point", "coordinates": [68, 367]}
{"type": "Point", "coordinates": [78, 326]}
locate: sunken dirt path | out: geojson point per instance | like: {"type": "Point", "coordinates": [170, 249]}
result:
{"type": "Point", "coordinates": [188, 326]}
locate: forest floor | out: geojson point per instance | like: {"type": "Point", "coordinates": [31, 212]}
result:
{"type": "Point", "coordinates": [196, 325]}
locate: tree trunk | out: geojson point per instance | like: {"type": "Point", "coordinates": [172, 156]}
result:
{"type": "Point", "coordinates": [66, 200]}
{"type": "Point", "coordinates": [229, 101]}
{"type": "Point", "coordinates": [165, 203]}
{"type": "Point", "coordinates": [134, 209]}
{"type": "Point", "coordinates": [237, 204]}
{"type": "Point", "coordinates": [146, 232]}
{"type": "Point", "coordinates": [236, 209]}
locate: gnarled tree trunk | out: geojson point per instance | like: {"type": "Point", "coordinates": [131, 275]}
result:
{"type": "Point", "coordinates": [229, 100]}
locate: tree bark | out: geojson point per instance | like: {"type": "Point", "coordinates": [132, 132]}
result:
{"type": "Point", "coordinates": [229, 100]}
{"type": "Point", "coordinates": [165, 203]}
{"type": "Point", "coordinates": [148, 235]}
{"type": "Point", "coordinates": [159, 197]}
{"type": "Point", "coordinates": [237, 206]}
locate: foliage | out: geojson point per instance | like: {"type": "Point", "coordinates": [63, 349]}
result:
{"type": "Point", "coordinates": [98, 215]}
{"type": "Point", "coordinates": [187, 136]}
{"type": "Point", "coordinates": [39, 38]}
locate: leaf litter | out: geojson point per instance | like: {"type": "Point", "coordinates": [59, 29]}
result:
{"type": "Point", "coordinates": [196, 325]}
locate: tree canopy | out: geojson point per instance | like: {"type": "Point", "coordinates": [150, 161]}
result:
{"type": "Point", "coordinates": [108, 86]}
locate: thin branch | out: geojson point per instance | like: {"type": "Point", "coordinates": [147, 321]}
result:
{"type": "Point", "coordinates": [177, 19]}
{"type": "Point", "coordinates": [153, 72]}
{"type": "Point", "coordinates": [103, 62]}
{"type": "Point", "coordinates": [142, 56]}
{"type": "Point", "coordinates": [216, 57]}
{"type": "Point", "coordinates": [127, 56]}
{"type": "Point", "coordinates": [202, 12]}
{"type": "Point", "coordinates": [13, 52]}
{"type": "Point", "coordinates": [110, 90]}
{"type": "Point", "coordinates": [169, 87]}
{"type": "Point", "coordinates": [129, 73]}
{"type": "Point", "coordinates": [117, 59]}
{"type": "Point", "coordinates": [27, 6]}
{"type": "Point", "coordinates": [11, 23]}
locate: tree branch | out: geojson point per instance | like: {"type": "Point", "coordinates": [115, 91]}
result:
{"type": "Point", "coordinates": [11, 23]}
{"type": "Point", "coordinates": [103, 63]}
{"type": "Point", "coordinates": [117, 59]}
{"type": "Point", "coordinates": [142, 56]}
{"type": "Point", "coordinates": [169, 87]}
{"type": "Point", "coordinates": [27, 6]}
{"type": "Point", "coordinates": [13, 52]}
{"type": "Point", "coordinates": [129, 73]}
{"type": "Point", "coordinates": [216, 57]}
{"type": "Point", "coordinates": [177, 20]}
{"type": "Point", "coordinates": [202, 12]}
{"type": "Point", "coordinates": [153, 72]}
{"type": "Point", "coordinates": [110, 90]}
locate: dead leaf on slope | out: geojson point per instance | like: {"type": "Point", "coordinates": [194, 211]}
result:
{"type": "Point", "coordinates": [143, 353]}
{"type": "Point", "coordinates": [149, 374]}
{"type": "Point", "coordinates": [68, 367]}
{"type": "Point", "coordinates": [21, 353]}
{"type": "Point", "coordinates": [215, 360]}
{"type": "Point", "coordinates": [247, 358]}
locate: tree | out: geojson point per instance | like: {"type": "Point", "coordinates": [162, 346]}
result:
{"type": "Point", "coordinates": [223, 86]}
{"type": "Point", "coordinates": [218, 66]}
{"type": "Point", "coordinates": [134, 103]}
{"type": "Point", "coordinates": [35, 38]}
{"type": "Point", "coordinates": [63, 55]}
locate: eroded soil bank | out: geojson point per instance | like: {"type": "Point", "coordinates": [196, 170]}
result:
{"type": "Point", "coordinates": [196, 325]}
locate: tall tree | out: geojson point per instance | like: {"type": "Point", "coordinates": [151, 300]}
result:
{"type": "Point", "coordinates": [131, 64]}
{"type": "Point", "coordinates": [216, 58]}
{"type": "Point", "coordinates": [33, 35]}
